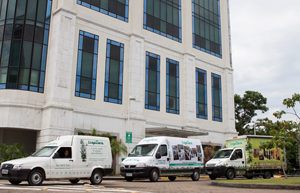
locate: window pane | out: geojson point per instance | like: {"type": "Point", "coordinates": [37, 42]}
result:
{"type": "Point", "coordinates": [11, 9]}
{"type": "Point", "coordinates": [3, 75]}
{"type": "Point", "coordinates": [5, 53]}
{"type": "Point", "coordinates": [152, 81]}
{"type": "Point", "coordinates": [24, 76]}
{"type": "Point", "coordinates": [41, 11]}
{"type": "Point", "coordinates": [88, 44]}
{"type": "Point", "coordinates": [114, 71]}
{"type": "Point", "coordinates": [87, 64]}
{"type": "Point", "coordinates": [15, 53]}
{"type": "Point", "coordinates": [113, 91]}
{"type": "Point", "coordinates": [26, 54]}
{"type": "Point", "coordinates": [31, 9]}
{"type": "Point", "coordinates": [20, 14]}
{"type": "Point", "coordinates": [36, 60]}
{"type": "Point", "coordinates": [34, 79]}
{"type": "Point", "coordinates": [85, 85]}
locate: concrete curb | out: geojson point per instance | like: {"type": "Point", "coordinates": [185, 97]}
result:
{"type": "Point", "coordinates": [257, 186]}
{"type": "Point", "coordinates": [165, 178]}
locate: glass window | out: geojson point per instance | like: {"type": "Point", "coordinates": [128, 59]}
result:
{"type": "Point", "coordinates": [163, 150]}
{"type": "Point", "coordinates": [216, 97]}
{"type": "Point", "coordinates": [152, 93]}
{"type": "Point", "coordinates": [44, 152]}
{"type": "Point", "coordinates": [114, 72]}
{"type": "Point", "coordinates": [238, 154]}
{"type": "Point", "coordinates": [163, 17]}
{"type": "Point", "coordinates": [86, 65]}
{"type": "Point", "coordinates": [172, 86]}
{"type": "Point", "coordinates": [24, 49]}
{"type": "Point", "coordinates": [207, 27]}
{"type": "Point", "coordinates": [114, 8]}
{"type": "Point", "coordinates": [201, 92]}
{"type": "Point", "coordinates": [143, 150]}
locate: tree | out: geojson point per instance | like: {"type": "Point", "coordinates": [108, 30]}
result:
{"type": "Point", "coordinates": [9, 152]}
{"type": "Point", "coordinates": [117, 146]}
{"type": "Point", "coordinates": [291, 128]}
{"type": "Point", "coordinates": [246, 107]}
{"type": "Point", "coordinates": [209, 152]}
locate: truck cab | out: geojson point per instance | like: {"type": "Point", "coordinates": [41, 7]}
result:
{"type": "Point", "coordinates": [227, 162]}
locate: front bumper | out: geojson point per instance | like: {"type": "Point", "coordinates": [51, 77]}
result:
{"type": "Point", "coordinates": [216, 171]}
{"type": "Point", "coordinates": [17, 175]}
{"type": "Point", "coordinates": [142, 172]}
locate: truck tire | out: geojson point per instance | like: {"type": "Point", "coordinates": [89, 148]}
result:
{"type": "Point", "coordinates": [212, 177]}
{"type": "Point", "coordinates": [96, 177]}
{"type": "Point", "coordinates": [129, 179]}
{"type": "Point", "coordinates": [172, 178]}
{"type": "Point", "coordinates": [154, 175]}
{"type": "Point", "coordinates": [74, 181]}
{"type": "Point", "coordinates": [36, 177]}
{"type": "Point", "coordinates": [267, 175]}
{"type": "Point", "coordinates": [230, 174]}
{"type": "Point", "coordinates": [14, 182]}
{"type": "Point", "coordinates": [196, 175]}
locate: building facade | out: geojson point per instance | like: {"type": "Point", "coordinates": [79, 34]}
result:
{"type": "Point", "coordinates": [145, 67]}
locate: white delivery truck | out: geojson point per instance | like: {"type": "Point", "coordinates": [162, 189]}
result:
{"type": "Point", "coordinates": [72, 157]}
{"type": "Point", "coordinates": [164, 156]}
{"type": "Point", "coordinates": [244, 157]}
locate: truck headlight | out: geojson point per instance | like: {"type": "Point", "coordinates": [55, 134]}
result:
{"type": "Point", "coordinates": [122, 165]}
{"type": "Point", "coordinates": [140, 165]}
{"type": "Point", "coordinates": [18, 166]}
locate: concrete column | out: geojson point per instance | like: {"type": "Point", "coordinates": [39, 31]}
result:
{"type": "Point", "coordinates": [188, 89]}
{"type": "Point", "coordinates": [228, 103]}
{"type": "Point", "coordinates": [57, 112]}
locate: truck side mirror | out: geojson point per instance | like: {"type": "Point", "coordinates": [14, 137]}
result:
{"type": "Point", "coordinates": [157, 156]}
{"type": "Point", "coordinates": [233, 157]}
{"type": "Point", "coordinates": [56, 155]}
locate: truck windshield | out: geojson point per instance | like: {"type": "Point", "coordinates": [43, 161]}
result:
{"type": "Point", "coordinates": [223, 154]}
{"type": "Point", "coordinates": [44, 152]}
{"type": "Point", "coordinates": [143, 150]}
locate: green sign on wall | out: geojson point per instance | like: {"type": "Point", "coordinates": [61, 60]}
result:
{"type": "Point", "coordinates": [128, 137]}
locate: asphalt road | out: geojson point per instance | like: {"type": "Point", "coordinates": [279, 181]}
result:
{"type": "Point", "coordinates": [143, 186]}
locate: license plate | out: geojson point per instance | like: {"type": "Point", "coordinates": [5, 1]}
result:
{"type": "Point", "coordinates": [128, 174]}
{"type": "Point", "coordinates": [4, 171]}
{"type": "Point", "coordinates": [209, 172]}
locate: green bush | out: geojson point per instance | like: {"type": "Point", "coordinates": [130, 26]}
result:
{"type": "Point", "coordinates": [9, 152]}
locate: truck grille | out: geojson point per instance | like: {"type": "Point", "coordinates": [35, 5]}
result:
{"type": "Point", "coordinates": [129, 166]}
{"type": "Point", "coordinates": [211, 165]}
{"type": "Point", "coordinates": [7, 166]}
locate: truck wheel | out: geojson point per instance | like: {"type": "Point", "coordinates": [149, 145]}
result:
{"type": "Point", "coordinates": [213, 177]}
{"type": "Point", "coordinates": [172, 178]}
{"type": "Point", "coordinates": [267, 175]}
{"type": "Point", "coordinates": [96, 177]}
{"type": "Point", "coordinates": [230, 174]}
{"type": "Point", "coordinates": [75, 181]}
{"type": "Point", "coordinates": [36, 177]}
{"type": "Point", "coordinates": [129, 179]}
{"type": "Point", "coordinates": [196, 175]}
{"type": "Point", "coordinates": [14, 182]}
{"type": "Point", "coordinates": [154, 175]}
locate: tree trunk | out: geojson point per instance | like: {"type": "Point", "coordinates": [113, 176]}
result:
{"type": "Point", "coordinates": [283, 168]}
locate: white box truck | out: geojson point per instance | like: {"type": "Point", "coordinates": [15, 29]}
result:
{"type": "Point", "coordinates": [72, 157]}
{"type": "Point", "coordinates": [164, 156]}
{"type": "Point", "coordinates": [243, 156]}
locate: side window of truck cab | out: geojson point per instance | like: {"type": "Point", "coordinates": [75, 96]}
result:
{"type": "Point", "coordinates": [163, 150]}
{"type": "Point", "coordinates": [238, 154]}
{"type": "Point", "coordinates": [65, 152]}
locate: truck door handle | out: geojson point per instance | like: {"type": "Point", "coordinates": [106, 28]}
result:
{"type": "Point", "coordinates": [243, 162]}
{"type": "Point", "coordinates": [168, 159]}
{"type": "Point", "coordinates": [70, 160]}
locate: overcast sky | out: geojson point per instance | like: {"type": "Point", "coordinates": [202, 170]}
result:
{"type": "Point", "coordinates": [266, 50]}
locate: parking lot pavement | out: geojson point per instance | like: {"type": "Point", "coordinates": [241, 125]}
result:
{"type": "Point", "coordinates": [142, 186]}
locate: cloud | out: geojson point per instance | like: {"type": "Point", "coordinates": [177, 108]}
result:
{"type": "Point", "coordinates": [266, 49]}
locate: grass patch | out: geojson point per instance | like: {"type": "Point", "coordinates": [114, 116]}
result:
{"type": "Point", "coordinates": [295, 181]}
